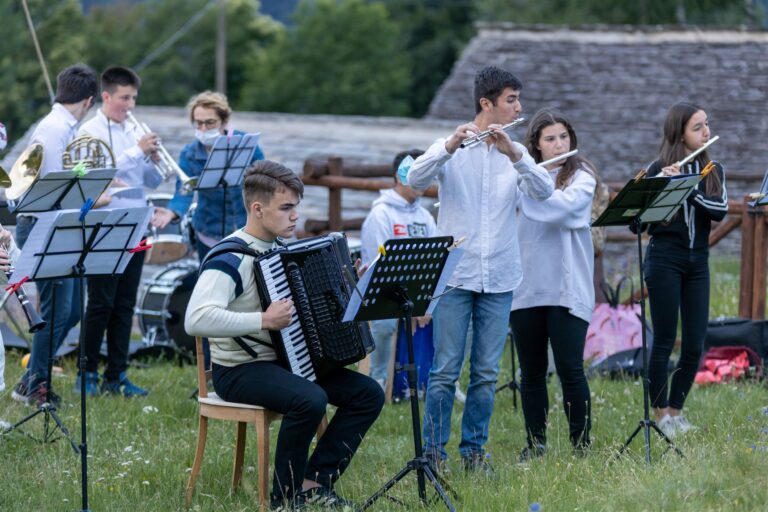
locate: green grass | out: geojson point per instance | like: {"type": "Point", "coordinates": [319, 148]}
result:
{"type": "Point", "coordinates": [140, 452]}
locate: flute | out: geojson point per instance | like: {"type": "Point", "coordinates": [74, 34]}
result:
{"type": "Point", "coordinates": [695, 153]}
{"type": "Point", "coordinates": [477, 139]}
{"type": "Point", "coordinates": [558, 158]}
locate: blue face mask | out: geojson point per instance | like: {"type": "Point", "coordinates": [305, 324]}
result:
{"type": "Point", "coordinates": [207, 137]}
{"type": "Point", "coordinates": [403, 168]}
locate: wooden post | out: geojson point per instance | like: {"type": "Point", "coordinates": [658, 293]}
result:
{"type": "Point", "coordinates": [335, 165]}
{"type": "Point", "coordinates": [747, 261]}
{"type": "Point", "coordinates": [758, 269]}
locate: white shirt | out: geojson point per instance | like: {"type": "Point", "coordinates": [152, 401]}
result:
{"type": "Point", "coordinates": [133, 166]}
{"type": "Point", "coordinates": [55, 131]}
{"type": "Point", "coordinates": [556, 247]}
{"type": "Point", "coordinates": [478, 192]}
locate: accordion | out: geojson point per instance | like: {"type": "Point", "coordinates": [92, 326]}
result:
{"type": "Point", "coordinates": [311, 272]}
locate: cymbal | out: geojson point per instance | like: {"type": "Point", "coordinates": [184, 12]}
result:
{"type": "Point", "coordinates": [24, 171]}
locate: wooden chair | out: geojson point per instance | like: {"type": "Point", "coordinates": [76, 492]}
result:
{"type": "Point", "coordinates": [212, 406]}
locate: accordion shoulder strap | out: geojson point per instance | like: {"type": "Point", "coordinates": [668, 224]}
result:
{"type": "Point", "coordinates": [237, 246]}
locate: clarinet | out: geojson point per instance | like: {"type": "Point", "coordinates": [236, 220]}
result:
{"type": "Point", "coordinates": [33, 318]}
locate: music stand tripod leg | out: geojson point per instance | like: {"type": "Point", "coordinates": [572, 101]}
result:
{"type": "Point", "coordinates": [47, 409]}
{"type": "Point", "coordinates": [419, 463]}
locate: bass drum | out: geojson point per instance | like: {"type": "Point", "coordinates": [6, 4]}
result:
{"type": "Point", "coordinates": [163, 305]}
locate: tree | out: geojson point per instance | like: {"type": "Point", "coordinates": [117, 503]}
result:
{"type": "Point", "coordinates": [186, 67]}
{"type": "Point", "coordinates": [24, 96]}
{"type": "Point", "coordinates": [341, 57]}
{"type": "Point", "coordinates": [434, 33]}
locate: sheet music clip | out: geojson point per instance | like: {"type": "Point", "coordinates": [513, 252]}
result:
{"type": "Point", "coordinates": [141, 246]}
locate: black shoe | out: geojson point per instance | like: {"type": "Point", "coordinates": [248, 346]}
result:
{"type": "Point", "coordinates": [530, 453]}
{"type": "Point", "coordinates": [37, 395]}
{"type": "Point", "coordinates": [437, 463]}
{"type": "Point", "coordinates": [323, 497]}
{"type": "Point", "coordinates": [581, 450]}
{"type": "Point", "coordinates": [477, 463]}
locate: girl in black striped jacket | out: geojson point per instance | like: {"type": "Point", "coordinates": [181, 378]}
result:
{"type": "Point", "coordinates": [677, 266]}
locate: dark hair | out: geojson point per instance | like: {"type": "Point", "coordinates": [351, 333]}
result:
{"type": "Point", "coordinates": [76, 83]}
{"type": "Point", "coordinates": [673, 148]}
{"type": "Point", "coordinates": [491, 81]}
{"type": "Point", "coordinates": [113, 77]}
{"type": "Point", "coordinates": [264, 178]}
{"type": "Point", "coordinates": [548, 117]}
{"type": "Point", "coordinates": [413, 153]}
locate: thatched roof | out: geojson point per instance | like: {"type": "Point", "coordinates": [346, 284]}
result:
{"type": "Point", "coordinates": [616, 84]}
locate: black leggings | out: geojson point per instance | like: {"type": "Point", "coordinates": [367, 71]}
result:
{"type": "Point", "coordinates": [678, 283]}
{"type": "Point", "coordinates": [302, 403]}
{"type": "Point", "coordinates": [532, 328]}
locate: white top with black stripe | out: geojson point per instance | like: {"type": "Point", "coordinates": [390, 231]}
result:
{"type": "Point", "coordinates": [225, 303]}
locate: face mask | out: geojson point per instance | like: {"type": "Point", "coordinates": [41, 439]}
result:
{"type": "Point", "coordinates": [207, 137]}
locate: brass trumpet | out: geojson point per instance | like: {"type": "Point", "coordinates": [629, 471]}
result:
{"type": "Point", "coordinates": [167, 166]}
{"type": "Point", "coordinates": [480, 137]}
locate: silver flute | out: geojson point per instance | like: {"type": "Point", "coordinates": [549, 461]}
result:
{"type": "Point", "coordinates": [480, 137]}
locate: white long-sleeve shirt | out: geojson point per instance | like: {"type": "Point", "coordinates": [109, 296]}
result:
{"type": "Point", "coordinates": [478, 189]}
{"type": "Point", "coordinates": [132, 165]}
{"type": "Point", "coordinates": [556, 249]}
{"type": "Point", "coordinates": [226, 303]}
{"type": "Point", "coordinates": [13, 252]}
{"type": "Point", "coordinates": [55, 131]}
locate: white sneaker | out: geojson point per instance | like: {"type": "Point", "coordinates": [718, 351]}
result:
{"type": "Point", "coordinates": [683, 425]}
{"type": "Point", "coordinates": [668, 425]}
{"type": "Point", "coordinates": [460, 397]}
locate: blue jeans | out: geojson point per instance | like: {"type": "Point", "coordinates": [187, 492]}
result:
{"type": "Point", "coordinates": [66, 316]}
{"type": "Point", "coordinates": [489, 313]}
{"type": "Point", "coordinates": [382, 332]}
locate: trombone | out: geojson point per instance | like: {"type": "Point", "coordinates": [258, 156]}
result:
{"type": "Point", "coordinates": [477, 139]}
{"type": "Point", "coordinates": [167, 166]}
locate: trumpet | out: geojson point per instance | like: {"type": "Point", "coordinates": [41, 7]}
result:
{"type": "Point", "coordinates": [477, 139]}
{"type": "Point", "coordinates": [167, 166]}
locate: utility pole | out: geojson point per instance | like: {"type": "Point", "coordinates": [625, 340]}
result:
{"type": "Point", "coordinates": [221, 48]}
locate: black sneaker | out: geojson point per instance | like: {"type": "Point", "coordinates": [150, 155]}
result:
{"type": "Point", "coordinates": [324, 497]}
{"type": "Point", "coordinates": [530, 453]}
{"type": "Point", "coordinates": [437, 463]}
{"type": "Point", "coordinates": [477, 463]}
{"type": "Point", "coordinates": [38, 395]}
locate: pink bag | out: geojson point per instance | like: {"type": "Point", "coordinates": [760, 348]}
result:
{"type": "Point", "coordinates": [614, 327]}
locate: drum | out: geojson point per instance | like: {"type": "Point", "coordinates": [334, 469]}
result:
{"type": "Point", "coordinates": [163, 304]}
{"type": "Point", "coordinates": [168, 244]}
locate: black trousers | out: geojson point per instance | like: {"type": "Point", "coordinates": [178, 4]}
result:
{"type": "Point", "coordinates": [532, 329]}
{"type": "Point", "coordinates": [302, 403]}
{"type": "Point", "coordinates": [110, 308]}
{"type": "Point", "coordinates": [678, 284]}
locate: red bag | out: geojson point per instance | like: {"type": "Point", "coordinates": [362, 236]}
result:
{"type": "Point", "coordinates": [614, 327]}
{"type": "Point", "coordinates": [723, 364]}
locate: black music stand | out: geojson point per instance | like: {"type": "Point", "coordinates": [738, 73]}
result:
{"type": "Point", "coordinates": [402, 283]}
{"type": "Point", "coordinates": [761, 198]}
{"type": "Point", "coordinates": [642, 202]}
{"type": "Point", "coordinates": [512, 384]}
{"type": "Point", "coordinates": [229, 157]}
{"type": "Point", "coordinates": [77, 244]}
{"type": "Point", "coordinates": [54, 191]}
